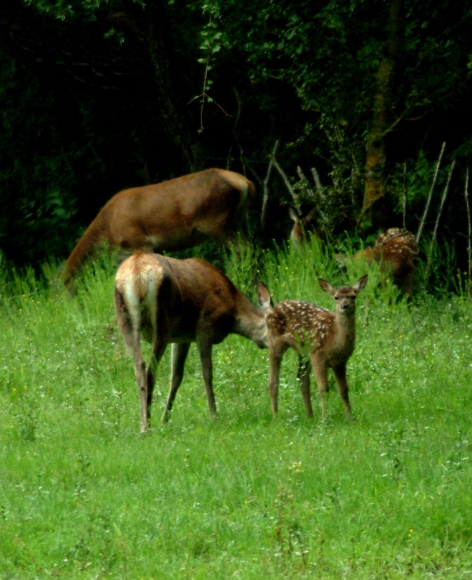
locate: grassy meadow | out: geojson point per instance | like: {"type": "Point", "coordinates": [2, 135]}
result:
{"type": "Point", "coordinates": [84, 496]}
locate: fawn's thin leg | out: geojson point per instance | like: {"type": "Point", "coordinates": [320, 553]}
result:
{"type": "Point", "coordinates": [340, 376]}
{"type": "Point", "coordinates": [320, 370]}
{"type": "Point", "coordinates": [408, 284]}
{"type": "Point", "coordinates": [178, 358]}
{"type": "Point", "coordinates": [205, 350]}
{"type": "Point", "coordinates": [275, 359]}
{"type": "Point", "coordinates": [304, 381]}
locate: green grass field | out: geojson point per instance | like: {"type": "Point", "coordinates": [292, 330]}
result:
{"type": "Point", "coordinates": [84, 496]}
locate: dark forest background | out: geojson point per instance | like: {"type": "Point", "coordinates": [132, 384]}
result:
{"type": "Point", "coordinates": [99, 96]}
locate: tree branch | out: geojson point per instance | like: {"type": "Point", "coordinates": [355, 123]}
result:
{"type": "Point", "coordinates": [428, 201]}
{"type": "Point", "coordinates": [435, 231]}
{"type": "Point", "coordinates": [284, 177]}
{"type": "Point", "coordinates": [265, 197]}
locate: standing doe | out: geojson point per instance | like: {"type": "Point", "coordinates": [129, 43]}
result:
{"type": "Point", "coordinates": [179, 301]}
{"type": "Point", "coordinates": [172, 215]}
{"type": "Point", "coordinates": [324, 338]}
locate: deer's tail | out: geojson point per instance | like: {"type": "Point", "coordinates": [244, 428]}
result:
{"type": "Point", "coordinates": [95, 236]}
{"type": "Point", "coordinates": [137, 282]}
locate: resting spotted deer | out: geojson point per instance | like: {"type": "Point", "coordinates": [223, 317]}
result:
{"type": "Point", "coordinates": [165, 300]}
{"type": "Point", "coordinates": [321, 337]}
{"type": "Point", "coordinates": [396, 251]}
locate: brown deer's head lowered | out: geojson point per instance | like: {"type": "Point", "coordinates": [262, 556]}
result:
{"type": "Point", "coordinates": [176, 214]}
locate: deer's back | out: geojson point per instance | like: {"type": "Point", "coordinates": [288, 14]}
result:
{"type": "Point", "coordinates": [205, 192]}
{"type": "Point", "coordinates": [211, 302]}
{"type": "Point", "coordinates": [301, 325]}
{"type": "Point", "coordinates": [400, 253]}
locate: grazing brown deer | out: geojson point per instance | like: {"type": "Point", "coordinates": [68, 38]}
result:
{"type": "Point", "coordinates": [165, 300]}
{"type": "Point", "coordinates": [396, 252]}
{"type": "Point", "coordinates": [176, 214]}
{"type": "Point", "coordinates": [321, 337]}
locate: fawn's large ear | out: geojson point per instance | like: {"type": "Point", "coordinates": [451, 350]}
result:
{"type": "Point", "coordinates": [263, 297]}
{"type": "Point", "coordinates": [327, 287]}
{"type": "Point", "coordinates": [293, 214]}
{"type": "Point", "coordinates": [360, 284]}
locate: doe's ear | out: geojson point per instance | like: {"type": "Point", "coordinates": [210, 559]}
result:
{"type": "Point", "coordinates": [360, 284]}
{"type": "Point", "coordinates": [327, 287]}
{"type": "Point", "coordinates": [263, 297]}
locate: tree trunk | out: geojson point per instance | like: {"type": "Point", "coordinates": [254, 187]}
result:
{"type": "Point", "coordinates": [170, 84]}
{"type": "Point", "coordinates": [172, 93]}
{"type": "Point", "coordinates": [376, 156]}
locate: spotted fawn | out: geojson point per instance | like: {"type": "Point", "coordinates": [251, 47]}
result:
{"type": "Point", "coordinates": [396, 252]}
{"type": "Point", "coordinates": [323, 338]}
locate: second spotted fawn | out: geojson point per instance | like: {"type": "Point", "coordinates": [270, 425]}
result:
{"type": "Point", "coordinates": [396, 252]}
{"type": "Point", "coordinates": [322, 338]}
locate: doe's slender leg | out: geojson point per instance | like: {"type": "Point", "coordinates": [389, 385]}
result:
{"type": "Point", "coordinates": [205, 350]}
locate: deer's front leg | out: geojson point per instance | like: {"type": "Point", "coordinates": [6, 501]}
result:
{"type": "Point", "coordinates": [276, 353]}
{"type": "Point", "coordinates": [340, 376]}
{"type": "Point", "coordinates": [178, 358]}
{"type": "Point", "coordinates": [205, 351]}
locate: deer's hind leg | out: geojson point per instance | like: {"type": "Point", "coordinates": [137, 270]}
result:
{"type": "Point", "coordinates": [303, 377]}
{"type": "Point", "coordinates": [158, 350]}
{"type": "Point", "coordinates": [276, 353]}
{"type": "Point", "coordinates": [129, 329]}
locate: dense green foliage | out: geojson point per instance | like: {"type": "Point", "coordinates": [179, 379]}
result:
{"type": "Point", "coordinates": [83, 495]}
{"type": "Point", "coordinates": [99, 96]}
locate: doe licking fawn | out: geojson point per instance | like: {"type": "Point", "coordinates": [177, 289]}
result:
{"type": "Point", "coordinates": [321, 337]}
{"type": "Point", "coordinates": [165, 300]}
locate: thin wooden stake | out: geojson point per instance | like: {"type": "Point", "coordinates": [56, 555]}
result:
{"type": "Point", "coordinates": [469, 234]}
{"type": "Point", "coordinates": [317, 180]}
{"type": "Point", "coordinates": [404, 196]}
{"type": "Point", "coordinates": [433, 239]}
{"type": "Point", "coordinates": [428, 202]}
{"type": "Point", "coordinates": [265, 197]}
{"type": "Point", "coordinates": [284, 177]}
